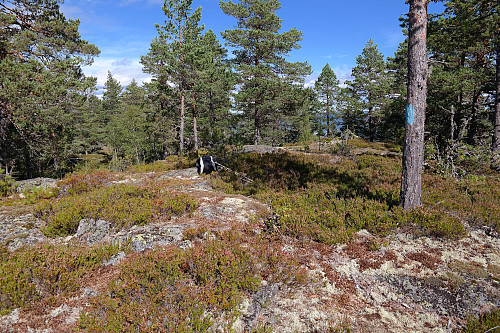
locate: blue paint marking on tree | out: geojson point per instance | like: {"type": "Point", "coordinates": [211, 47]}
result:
{"type": "Point", "coordinates": [410, 114]}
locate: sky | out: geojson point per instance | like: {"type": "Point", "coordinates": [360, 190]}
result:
{"type": "Point", "coordinates": [334, 31]}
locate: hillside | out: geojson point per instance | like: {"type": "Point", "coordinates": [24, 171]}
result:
{"type": "Point", "coordinates": [282, 241]}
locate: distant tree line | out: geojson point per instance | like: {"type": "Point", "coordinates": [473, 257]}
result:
{"type": "Point", "coordinates": [201, 98]}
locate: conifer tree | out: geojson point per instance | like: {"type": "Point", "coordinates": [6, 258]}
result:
{"type": "Point", "coordinates": [260, 51]}
{"type": "Point", "coordinates": [111, 106]}
{"type": "Point", "coordinates": [327, 88]}
{"type": "Point", "coordinates": [41, 83]}
{"type": "Point", "coordinates": [413, 151]}
{"type": "Point", "coordinates": [169, 52]}
{"type": "Point", "coordinates": [352, 117]}
{"type": "Point", "coordinates": [371, 85]}
{"type": "Point", "coordinates": [212, 83]}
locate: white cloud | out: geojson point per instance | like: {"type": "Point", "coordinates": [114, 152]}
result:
{"type": "Point", "coordinates": [310, 80]}
{"type": "Point", "coordinates": [336, 56]}
{"type": "Point", "coordinates": [343, 73]}
{"type": "Point", "coordinates": [123, 69]}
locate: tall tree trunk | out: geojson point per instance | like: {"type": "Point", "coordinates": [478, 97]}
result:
{"type": "Point", "coordinates": [327, 115]}
{"type": "Point", "coordinates": [413, 153]}
{"type": "Point", "coordinates": [183, 97]}
{"type": "Point", "coordinates": [212, 115]}
{"type": "Point", "coordinates": [471, 134]}
{"type": "Point", "coordinates": [181, 129]}
{"type": "Point", "coordinates": [370, 124]}
{"type": "Point", "coordinates": [195, 126]}
{"type": "Point", "coordinates": [256, 134]}
{"type": "Point", "coordinates": [495, 156]}
{"type": "Point", "coordinates": [4, 121]}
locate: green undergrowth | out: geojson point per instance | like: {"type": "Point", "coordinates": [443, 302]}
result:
{"type": "Point", "coordinates": [170, 163]}
{"type": "Point", "coordinates": [171, 290]}
{"type": "Point", "coordinates": [476, 199]}
{"type": "Point", "coordinates": [329, 199]}
{"type": "Point", "coordinates": [488, 322]}
{"type": "Point", "coordinates": [121, 204]}
{"type": "Point", "coordinates": [6, 183]}
{"type": "Point", "coordinates": [81, 182]}
{"type": "Point", "coordinates": [46, 271]}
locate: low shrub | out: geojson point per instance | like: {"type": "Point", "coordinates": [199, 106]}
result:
{"type": "Point", "coordinates": [31, 274]}
{"type": "Point", "coordinates": [428, 222]}
{"type": "Point", "coordinates": [6, 183]}
{"type": "Point", "coordinates": [321, 216]}
{"type": "Point", "coordinates": [123, 205]}
{"type": "Point", "coordinates": [475, 199]}
{"type": "Point", "coordinates": [39, 193]}
{"type": "Point", "coordinates": [489, 322]}
{"type": "Point", "coordinates": [81, 182]}
{"type": "Point", "coordinates": [170, 163]}
{"type": "Point", "coordinates": [170, 290]}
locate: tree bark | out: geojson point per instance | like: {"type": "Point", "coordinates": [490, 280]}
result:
{"type": "Point", "coordinates": [472, 133]}
{"type": "Point", "coordinates": [495, 156]}
{"type": "Point", "coordinates": [413, 153]}
{"type": "Point", "coordinates": [256, 134]}
{"type": "Point", "coordinates": [327, 114]}
{"type": "Point", "coordinates": [4, 121]}
{"type": "Point", "coordinates": [212, 116]}
{"type": "Point", "coordinates": [181, 129]}
{"type": "Point", "coordinates": [195, 126]}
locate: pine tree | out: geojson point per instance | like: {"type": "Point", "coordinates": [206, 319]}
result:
{"type": "Point", "coordinates": [111, 107]}
{"type": "Point", "coordinates": [169, 52]}
{"type": "Point", "coordinates": [214, 85]}
{"type": "Point", "coordinates": [371, 85]}
{"type": "Point", "coordinates": [352, 117]}
{"type": "Point", "coordinates": [393, 116]}
{"type": "Point", "coordinates": [413, 151]}
{"type": "Point", "coordinates": [41, 83]}
{"type": "Point", "coordinates": [260, 51]}
{"type": "Point", "coordinates": [327, 88]}
{"type": "Point", "coordinates": [131, 123]}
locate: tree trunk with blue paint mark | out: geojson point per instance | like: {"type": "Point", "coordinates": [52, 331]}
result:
{"type": "Point", "coordinates": [413, 153]}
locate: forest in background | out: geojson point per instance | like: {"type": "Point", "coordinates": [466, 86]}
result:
{"type": "Point", "coordinates": [201, 97]}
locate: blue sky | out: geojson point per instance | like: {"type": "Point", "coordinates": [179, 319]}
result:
{"type": "Point", "coordinates": [335, 31]}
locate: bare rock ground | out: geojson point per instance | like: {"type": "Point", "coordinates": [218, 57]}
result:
{"type": "Point", "coordinates": [400, 283]}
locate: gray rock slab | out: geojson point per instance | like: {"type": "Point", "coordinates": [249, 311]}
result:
{"type": "Point", "coordinates": [30, 184]}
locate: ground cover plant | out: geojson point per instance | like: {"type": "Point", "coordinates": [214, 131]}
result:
{"type": "Point", "coordinates": [488, 322]}
{"type": "Point", "coordinates": [328, 199]}
{"type": "Point", "coordinates": [171, 290]}
{"type": "Point", "coordinates": [42, 273]}
{"type": "Point", "coordinates": [123, 205]}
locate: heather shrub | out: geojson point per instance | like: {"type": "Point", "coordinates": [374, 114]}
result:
{"type": "Point", "coordinates": [170, 163]}
{"type": "Point", "coordinates": [321, 216]}
{"type": "Point", "coordinates": [171, 290]}
{"type": "Point", "coordinates": [123, 205]}
{"type": "Point", "coordinates": [42, 272]}
{"type": "Point", "coordinates": [329, 202]}
{"type": "Point", "coordinates": [428, 222]}
{"type": "Point", "coordinates": [81, 182]}
{"type": "Point", "coordinates": [473, 198]}
{"type": "Point", "coordinates": [488, 322]}
{"type": "Point", "coordinates": [39, 193]}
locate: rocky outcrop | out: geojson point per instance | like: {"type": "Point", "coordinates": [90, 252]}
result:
{"type": "Point", "coordinates": [30, 184]}
{"type": "Point", "coordinates": [17, 231]}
